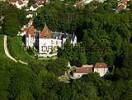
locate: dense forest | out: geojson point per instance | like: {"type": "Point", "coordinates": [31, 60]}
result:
{"type": "Point", "coordinates": [13, 19]}
{"type": "Point", "coordinates": [103, 36]}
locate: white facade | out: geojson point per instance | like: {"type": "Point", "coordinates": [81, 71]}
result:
{"type": "Point", "coordinates": [33, 9]}
{"type": "Point", "coordinates": [29, 16]}
{"type": "Point", "coordinates": [78, 75]}
{"type": "Point", "coordinates": [101, 71]}
{"type": "Point", "coordinates": [100, 68]}
{"type": "Point", "coordinates": [89, 66]}
{"type": "Point", "coordinates": [46, 42]}
{"type": "Point", "coordinates": [49, 46]}
{"type": "Point", "coordinates": [30, 41]}
{"type": "Point", "coordinates": [88, 1]}
{"type": "Point", "coordinates": [84, 2]}
{"type": "Point", "coordinates": [74, 40]}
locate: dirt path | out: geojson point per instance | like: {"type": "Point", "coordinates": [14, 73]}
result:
{"type": "Point", "coordinates": [8, 54]}
{"type": "Point", "coordinates": [7, 51]}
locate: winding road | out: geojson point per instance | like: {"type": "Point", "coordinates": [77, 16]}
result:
{"type": "Point", "coordinates": [8, 54]}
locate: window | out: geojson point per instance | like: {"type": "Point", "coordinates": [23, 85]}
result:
{"type": "Point", "coordinates": [52, 42]}
{"type": "Point", "coordinates": [44, 48]}
{"type": "Point", "coordinates": [56, 42]}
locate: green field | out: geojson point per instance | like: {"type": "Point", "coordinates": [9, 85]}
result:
{"type": "Point", "coordinates": [16, 49]}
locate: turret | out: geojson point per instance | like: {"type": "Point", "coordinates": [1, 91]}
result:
{"type": "Point", "coordinates": [74, 39]}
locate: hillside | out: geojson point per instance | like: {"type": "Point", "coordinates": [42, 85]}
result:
{"type": "Point", "coordinates": [16, 48]}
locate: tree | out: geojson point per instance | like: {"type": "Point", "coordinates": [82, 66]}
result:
{"type": "Point", "coordinates": [31, 2]}
{"type": "Point", "coordinates": [117, 92]}
{"type": "Point", "coordinates": [58, 16]}
{"type": "Point", "coordinates": [82, 57]}
{"type": "Point", "coordinates": [128, 58]}
{"type": "Point", "coordinates": [11, 25]}
{"type": "Point", "coordinates": [45, 83]}
{"type": "Point", "coordinates": [127, 95]}
{"type": "Point", "coordinates": [13, 19]}
{"type": "Point", "coordinates": [67, 50]}
{"type": "Point", "coordinates": [58, 66]}
{"type": "Point", "coordinates": [4, 83]}
{"type": "Point", "coordinates": [21, 82]}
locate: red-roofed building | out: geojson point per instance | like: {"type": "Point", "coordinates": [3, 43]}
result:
{"type": "Point", "coordinates": [49, 41]}
{"type": "Point", "coordinates": [30, 36]}
{"type": "Point", "coordinates": [41, 2]}
{"type": "Point", "coordinates": [46, 33]}
{"type": "Point", "coordinates": [38, 4]}
{"type": "Point", "coordinates": [30, 31]}
{"type": "Point", "coordinates": [100, 68]}
{"type": "Point", "coordinates": [46, 41]}
{"type": "Point", "coordinates": [122, 4]}
{"type": "Point", "coordinates": [80, 3]}
{"type": "Point", "coordinates": [80, 71]}
{"type": "Point", "coordinates": [19, 3]}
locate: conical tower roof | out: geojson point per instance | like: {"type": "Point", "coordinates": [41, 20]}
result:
{"type": "Point", "coordinates": [46, 33]}
{"type": "Point", "coordinates": [30, 31]}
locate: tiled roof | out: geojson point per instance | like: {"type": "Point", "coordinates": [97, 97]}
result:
{"type": "Point", "coordinates": [122, 5]}
{"type": "Point", "coordinates": [46, 33]}
{"type": "Point", "coordinates": [30, 31]}
{"type": "Point", "coordinates": [83, 70]}
{"type": "Point", "coordinates": [100, 65]}
{"type": "Point", "coordinates": [20, 2]}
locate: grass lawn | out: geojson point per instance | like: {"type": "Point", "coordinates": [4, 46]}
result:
{"type": "Point", "coordinates": [17, 50]}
